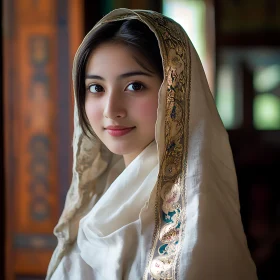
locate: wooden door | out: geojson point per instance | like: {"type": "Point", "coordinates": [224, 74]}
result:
{"type": "Point", "coordinates": [39, 39]}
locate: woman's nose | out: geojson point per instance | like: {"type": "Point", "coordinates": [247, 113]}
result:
{"type": "Point", "coordinates": [114, 106]}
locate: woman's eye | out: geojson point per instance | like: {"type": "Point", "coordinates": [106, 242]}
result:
{"type": "Point", "coordinates": [135, 87]}
{"type": "Point", "coordinates": [95, 88]}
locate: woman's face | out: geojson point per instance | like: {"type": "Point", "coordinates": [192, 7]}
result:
{"type": "Point", "coordinates": [121, 99]}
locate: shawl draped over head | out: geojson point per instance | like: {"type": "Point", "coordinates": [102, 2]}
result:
{"type": "Point", "coordinates": [173, 213]}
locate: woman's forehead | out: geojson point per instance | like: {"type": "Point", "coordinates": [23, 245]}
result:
{"type": "Point", "coordinates": [117, 57]}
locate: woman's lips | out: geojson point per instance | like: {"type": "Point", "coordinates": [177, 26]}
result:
{"type": "Point", "coordinates": [118, 130]}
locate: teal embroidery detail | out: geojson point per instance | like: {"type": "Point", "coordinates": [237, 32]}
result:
{"type": "Point", "coordinates": [162, 249]}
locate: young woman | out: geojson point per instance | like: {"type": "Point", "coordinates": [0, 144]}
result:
{"type": "Point", "coordinates": [154, 192]}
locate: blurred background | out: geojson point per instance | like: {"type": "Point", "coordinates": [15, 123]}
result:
{"type": "Point", "coordinates": [239, 44]}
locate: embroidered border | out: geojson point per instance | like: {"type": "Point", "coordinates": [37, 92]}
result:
{"type": "Point", "coordinates": [170, 202]}
{"type": "Point", "coordinates": [185, 152]}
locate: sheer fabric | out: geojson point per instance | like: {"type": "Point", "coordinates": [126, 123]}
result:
{"type": "Point", "coordinates": [173, 213]}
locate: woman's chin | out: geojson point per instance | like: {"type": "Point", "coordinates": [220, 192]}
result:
{"type": "Point", "coordinates": [124, 150]}
{"type": "Point", "coordinates": [119, 150]}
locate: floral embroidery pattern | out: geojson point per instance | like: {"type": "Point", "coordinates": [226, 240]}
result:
{"type": "Point", "coordinates": [170, 202]}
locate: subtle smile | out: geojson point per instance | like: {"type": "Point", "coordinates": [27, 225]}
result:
{"type": "Point", "coordinates": [118, 130]}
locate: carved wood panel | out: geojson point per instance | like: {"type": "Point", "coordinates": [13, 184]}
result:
{"type": "Point", "coordinates": [40, 38]}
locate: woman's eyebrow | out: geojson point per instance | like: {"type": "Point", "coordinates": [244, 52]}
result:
{"type": "Point", "coordinates": [122, 76]}
{"type": "Point", "coordinates": [134, 73]}
{"type": "Point", "coordinates": [96, 77]}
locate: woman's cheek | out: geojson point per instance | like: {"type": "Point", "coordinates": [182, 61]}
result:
{"type": "Point", "coordinates": [94, 113]}
{"type": "Point", "coordinates": [146, 110]}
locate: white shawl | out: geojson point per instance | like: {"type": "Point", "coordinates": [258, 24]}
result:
{"type": "Point", "coordinates": [173, 213]}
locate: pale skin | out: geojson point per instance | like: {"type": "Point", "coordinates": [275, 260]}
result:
{"type": "Point", "coordinates": [121, 99]}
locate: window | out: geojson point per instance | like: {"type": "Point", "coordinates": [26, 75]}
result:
{"type": "Point", "coordinates": [191, 15]}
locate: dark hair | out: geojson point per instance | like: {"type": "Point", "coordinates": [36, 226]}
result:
{"type": "Point", "coordinates": [132, 33]}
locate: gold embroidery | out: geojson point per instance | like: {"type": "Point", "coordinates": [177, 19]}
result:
{"type": "Point", "coordinates": [170, 202]}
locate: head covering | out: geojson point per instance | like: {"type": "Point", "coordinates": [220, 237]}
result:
{"type": "Point", "coordinates": [173, 213]}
